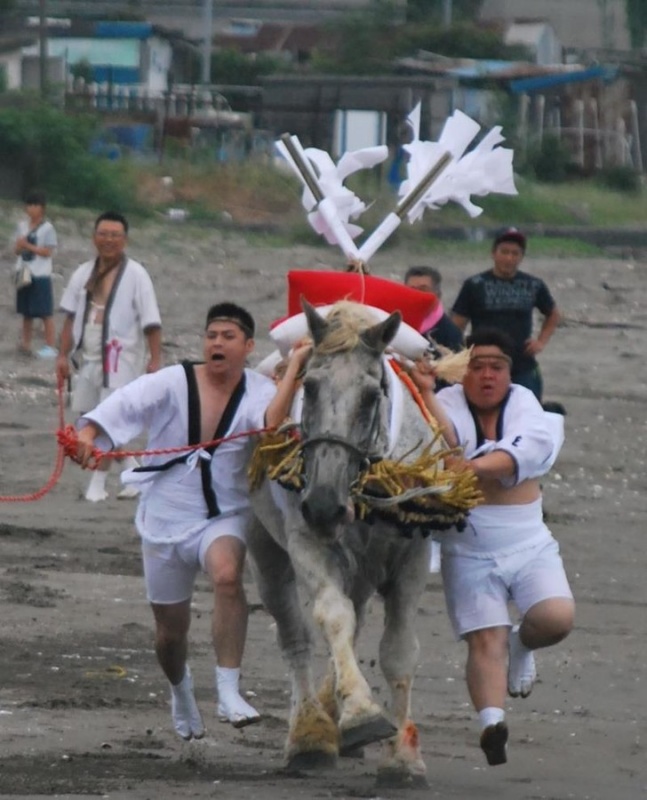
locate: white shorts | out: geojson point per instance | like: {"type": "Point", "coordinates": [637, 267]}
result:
{"type": "Point", "coordinates": [170, 569]}
{"type": "Point", "coordinates": [478, 590]}
{"type": "Point", "coordinates": [88, 390]}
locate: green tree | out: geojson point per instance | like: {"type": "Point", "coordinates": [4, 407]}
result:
{"type": "Point", "coordinates": [231, 67]}
{"type": "Point", "coordinates": [52, 150]}
{"type": "Point", "coordinates": [433, 10]}
{"type": "Point", "coordinates": [637, 22]}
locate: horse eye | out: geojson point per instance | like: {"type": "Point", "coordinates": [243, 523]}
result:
{"type": "Point", "coordinates": [369, 396]}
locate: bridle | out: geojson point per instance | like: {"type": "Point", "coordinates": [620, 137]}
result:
{"type": "Point", "coordinates": [363, 455]}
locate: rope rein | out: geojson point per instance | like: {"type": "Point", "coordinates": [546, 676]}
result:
{"type": "Point", "coordinates": [67, 439]}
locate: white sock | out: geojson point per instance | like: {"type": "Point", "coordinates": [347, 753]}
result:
{"type": "Point", "coordinates": [490, 716]}
{"type": "Point", "coordinates": [97, 487]}
{"type": "Point", "coordinates": [231, 706]}
{"type": "Point", "coordinates": [187, 720]}
{"type": "Point", "coordinates": [522, 672]}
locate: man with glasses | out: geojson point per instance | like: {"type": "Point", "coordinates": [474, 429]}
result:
{"type": "Point", "coordinates": [112, 330]}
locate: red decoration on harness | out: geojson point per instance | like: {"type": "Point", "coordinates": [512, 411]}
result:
{"type": "Point", "coordinates": [322, 288]}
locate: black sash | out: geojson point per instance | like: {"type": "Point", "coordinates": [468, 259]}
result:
{"type": "Point", "coordinates": [194, 435]}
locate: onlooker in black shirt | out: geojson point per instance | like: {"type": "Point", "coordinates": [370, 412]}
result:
{"type": "Point", "coordinates": [504, 297]}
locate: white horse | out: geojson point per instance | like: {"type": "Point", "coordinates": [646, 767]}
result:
{"type": "Point", "coordinates": [310, 543]}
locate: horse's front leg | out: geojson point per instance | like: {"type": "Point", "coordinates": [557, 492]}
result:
{"type": "Point", "coordinates": [361, 720]}
{"type": "Point", "coordinates": [402, 764]}
{"type": "Point", "coordinates": [313, 739]}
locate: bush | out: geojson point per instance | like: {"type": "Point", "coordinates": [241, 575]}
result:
{"type": "Point", "coordinates": [51, 150]}
{"type": "Point", "coordinates": [622, 179]}
{"type": "Point", "coordinates": [548, 161]}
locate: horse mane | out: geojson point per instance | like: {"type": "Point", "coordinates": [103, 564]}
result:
{"type": "Point", "coordinates": [346, 322]}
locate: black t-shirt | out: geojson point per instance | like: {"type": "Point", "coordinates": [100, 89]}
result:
{"type": "Point", "coordinates": [445, 332]}
{"type": "Point", "coordinates": [507, 304]}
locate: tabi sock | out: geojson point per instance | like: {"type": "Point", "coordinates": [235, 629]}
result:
{"type": "Point", "coordinates": [187, 720]}
{"type": "Point", "coordinates": [97, 487]}
{"type": "Point", "coordinates": [231, 706]}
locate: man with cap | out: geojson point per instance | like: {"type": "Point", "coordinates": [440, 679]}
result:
{"type": "Point", "coordinates": [504, 297]}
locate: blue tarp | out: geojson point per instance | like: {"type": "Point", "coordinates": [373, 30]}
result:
{"type": "Point", "coordinates": [123, 30]}
{"type": "Point", "coordinates": [106, 73]}
{"type": "Point", "coordinates": [540, 82]}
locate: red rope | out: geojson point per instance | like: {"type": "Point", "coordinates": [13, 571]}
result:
{"type": "Point", "coordinates": [67, 439]}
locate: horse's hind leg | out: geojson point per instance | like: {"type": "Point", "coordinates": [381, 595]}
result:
{"type": "Point", "coordinates": [399, 649]}
{"type": "Point", "coordinates": [312, 740]}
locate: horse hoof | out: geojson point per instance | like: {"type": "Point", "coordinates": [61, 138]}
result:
{"type": "Point", "coordinates": [311, 760]}
{"type": "Point", "coordinates": [392, 778]}
{"type": "Point", "coordinates": [373, 730]}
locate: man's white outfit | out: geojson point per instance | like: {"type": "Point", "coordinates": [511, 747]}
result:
{"type": "Point", "coordinates": [109, 344]}
{"type": "Point", "coordinates": [189, 500]}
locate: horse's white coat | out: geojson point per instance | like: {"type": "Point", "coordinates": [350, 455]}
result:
{"type": "Point", "coordinates": [337, 566]}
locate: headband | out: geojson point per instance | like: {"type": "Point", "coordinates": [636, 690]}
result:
{"type": "Point", "coordinates": [244, 328]}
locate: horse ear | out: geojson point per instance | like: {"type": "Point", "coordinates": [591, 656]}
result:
{"type": "Point", "coordinates": [379, 336]}
{"type": "Point", "coordinates": [316, 323]}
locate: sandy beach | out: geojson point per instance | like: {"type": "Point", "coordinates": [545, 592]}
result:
{"type": "Point", "coordinates": [84, 708]}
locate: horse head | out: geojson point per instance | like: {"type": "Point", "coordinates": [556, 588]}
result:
{"type": "Point", "coordinates": [345, 409]}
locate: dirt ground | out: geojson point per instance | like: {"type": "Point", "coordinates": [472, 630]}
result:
{"type": "Point", "coordinates": [84, 708]}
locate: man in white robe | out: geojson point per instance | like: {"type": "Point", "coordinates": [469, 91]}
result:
{"type": "Point", "coordinates": [111, 319]}
{"type": "Point", "coordinates": [505, 553]}
{"type": "Point", "coordinates": [193, 510]}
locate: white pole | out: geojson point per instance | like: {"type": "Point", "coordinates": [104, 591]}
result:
{"type": "Point", "coordinates": [579, 115]}
{"type": "Point", "coordinates": [207, 19]}
{"type": "Point", "coordinates": [635, 135]}
{"type": "Point", "coordinates": [447, 13]}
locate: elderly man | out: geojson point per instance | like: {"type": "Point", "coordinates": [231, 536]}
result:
{"type": "Point", "coordinates": [111, 318]}
{"type": "Point", "coordinates": [506, 552]}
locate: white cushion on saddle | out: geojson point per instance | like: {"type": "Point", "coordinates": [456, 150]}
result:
{"type": "Point", "coordinates": [268, 365]}
{"type": "Point", "coordinates": [407, 341]}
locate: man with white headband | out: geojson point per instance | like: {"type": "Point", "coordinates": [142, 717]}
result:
{"type": "Point", "coordinates": [506, 552]}
{"type": "Point", "coordinates": [194, 508]}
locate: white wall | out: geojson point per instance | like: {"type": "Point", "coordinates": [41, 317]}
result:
{"type": "Point", "coordinates": [11, 64]}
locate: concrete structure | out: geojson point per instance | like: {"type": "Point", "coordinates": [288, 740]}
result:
{"type": "Point", "coordinates": [537, 37]}
{"type": "Point", "coordinates": [117, 52]}
{"type": "Point", "coordinates": [579, 24]}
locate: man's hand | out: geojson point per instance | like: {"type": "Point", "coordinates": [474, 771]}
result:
{"type": "Point", "coordinates": [533, 347]}
{"type": "Point", "coordinates": [299, 356]}
{"type": "Point", "coordinates": [458, 464]}
{"type": "Point", "coordinates": [62, 368]}
{"type": "Point", "coordinates": [154, 364]}
{"type": "Point", "coordinates": [85, 444]}
{"type": "Point", "coordinates": [422, 374]}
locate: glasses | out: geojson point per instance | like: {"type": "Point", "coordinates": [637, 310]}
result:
{"type": "Point", "coordinates": [109, 235]}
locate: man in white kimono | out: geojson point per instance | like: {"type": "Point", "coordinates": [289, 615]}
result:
{"type": "Point", "coordinates": [112, 318]}
{"type": "Point", "coordinates": [193, 510]}
{"type": "Point", "coordinates": [505, 553]}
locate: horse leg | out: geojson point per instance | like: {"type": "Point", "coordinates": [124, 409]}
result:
{"type": "Point", "coordinates": [312, 740]}
{"type": "Point", "coordinates": [361, 720]}
{"type": "Point", "coordinates": [402, 764]}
